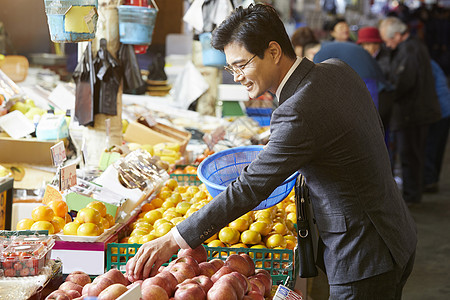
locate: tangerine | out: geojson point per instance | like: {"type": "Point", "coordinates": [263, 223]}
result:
{"type": "Point", "coordinates": [42, 213]}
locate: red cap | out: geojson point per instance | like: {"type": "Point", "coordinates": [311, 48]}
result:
{"type": "Point", "coordinates": [369, 35]}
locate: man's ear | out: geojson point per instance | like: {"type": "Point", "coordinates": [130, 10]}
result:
{"type": "Point", "coordinates": [275, 52]}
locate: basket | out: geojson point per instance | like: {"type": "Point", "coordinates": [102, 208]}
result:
{"type": "Point", "coordinates": [186, 178]}
{"type": "Point", "coordinates": [220, 169]}
{"type": "Point", "coordinates": [136, 24]}
{"type": "Point", "coordinates": [279, 262]}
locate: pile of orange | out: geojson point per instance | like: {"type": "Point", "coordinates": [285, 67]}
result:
{"type": "Point", "coordinates": [53, 216]}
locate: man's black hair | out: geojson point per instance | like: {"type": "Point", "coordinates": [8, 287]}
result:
{"type": "Point", "coordinates": [254, 28]}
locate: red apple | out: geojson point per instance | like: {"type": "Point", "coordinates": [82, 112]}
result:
{"type": "Point", "coordinates": [200, 254]}
{"type": "Point", "coordinates": [257, 285]}
{"type": "Point", "coordinates": [79, 277]}
{"type": "Point", "coordinates": [217, 262]}
{"type": "Point", "coordinates": [160, 281]}
{"type": "Point", "coordinates": [239, 264]}
{"type": "Point", "coordinates": [244, 281]}
{"type": "Point", "coordinates": [182, 271]}
{"type": "Point", "coordinates": [222, 291]}
{"type": "Point", "coordinates": [235, 282]}
{"type": "Point", "coordinates": [116, 277]}
{"type": "Point", "coordinates": [255, 296]}
{"type": "Point", "coordinates": [202, 280]}
{"type": "Point", "coordinates": [112, 292]}
{"type": "Point", "coordinates": [167, 276]}
{"type": "Point", "coordinates": [73, 294]}
{"type": "Point", "coordinates": [190, 261]}
{"type": "Point", "coordinates": [222, 271]}
{"type": "Point", "coordinates": [98, 285]}
{"type": "Point", "coordinates": [58, 295]}
{"type": "Point", "coordinates": [267, 280]}
{"type": "Point", "coordinates": [189, 291]}
{"type": "Point", "coordinates": [207, 269]}
{"type": "Point", "coordinates": [250, 261]}
{"type": "Point", "coordinates": [154, 292]}
{"type": "Point", "coordinates": [68, 285]}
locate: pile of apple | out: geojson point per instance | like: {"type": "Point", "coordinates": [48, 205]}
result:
{"type": "Point", "coordinates": [78, 285]}
{"type": "Point", "coordinates": [191, 276]}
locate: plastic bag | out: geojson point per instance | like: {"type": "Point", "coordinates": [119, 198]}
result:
{"type": "Point", "coordinates": [84, 78]}
{"type": "Point", "coordinates": [132, 80]}
{"type": "Point", "coordinates": [108, 74]}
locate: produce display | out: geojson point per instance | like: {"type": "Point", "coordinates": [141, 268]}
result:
{"type": "Point", "coordinates": [190, 276]}
{"type": "Point", "coordinates": [54, 217]}
{"type": "Point", "coordinates": [271, 228]}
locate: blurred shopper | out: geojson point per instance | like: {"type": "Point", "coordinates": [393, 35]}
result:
{"type": "Point", "coordinates": [339, 30]}
{"type": "Point", "coordinates": [360, 61]}
{"type": "Point", "coordinates": [438, 133]}
{"type": "Point", "coordinates": [301, 37]}
{"type": "Point", "coordinates": [369, 38]}
{"type": "Point", "coordinates": [415, 104]}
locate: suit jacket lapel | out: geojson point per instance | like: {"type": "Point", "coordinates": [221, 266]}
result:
{"type": "Point", "coordinates": [296, 78]}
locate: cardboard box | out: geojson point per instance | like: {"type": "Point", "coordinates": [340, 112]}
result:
{"type": "Point", "coordinates": [138, 132]}
{"type": "Point", "coordinates": [27, 151]}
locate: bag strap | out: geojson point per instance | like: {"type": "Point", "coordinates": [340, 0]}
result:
{"type": "Point", "coordinates": [301, 194]}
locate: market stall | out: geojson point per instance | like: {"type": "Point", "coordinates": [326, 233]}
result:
{"type": "Point", "coordinates": [88, 174]}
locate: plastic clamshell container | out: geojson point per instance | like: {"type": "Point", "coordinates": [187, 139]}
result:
{"type": "Point", "coordinates": [24, 260]}
{"type": "Point", "coordinates": [45, 240]}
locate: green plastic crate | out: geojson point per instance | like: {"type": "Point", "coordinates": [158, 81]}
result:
{"type": "Point", "coordinates": [279, 262]}
{"type": "Point", "coordinates": [186, 179]}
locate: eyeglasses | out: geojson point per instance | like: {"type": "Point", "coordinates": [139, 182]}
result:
{"type": "Point", "coordinates": [238, 70]}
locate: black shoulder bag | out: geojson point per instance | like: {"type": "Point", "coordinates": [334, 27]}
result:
{"type": "Point", "coordinates": [305, 230]}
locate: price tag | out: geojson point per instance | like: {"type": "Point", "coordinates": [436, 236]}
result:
{"type": "Point", "coordinates": [58, 153]}
{"type": "Point", "coordinates": [51, 193]}
{"type": "Point", "coordinates": [68, 177]}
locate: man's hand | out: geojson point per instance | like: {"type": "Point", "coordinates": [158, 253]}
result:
{"type": "Point", "coordinates": [151, 256]}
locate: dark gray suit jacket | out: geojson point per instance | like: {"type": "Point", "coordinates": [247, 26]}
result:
{"type": "Point", "coordinates": [328, 128]}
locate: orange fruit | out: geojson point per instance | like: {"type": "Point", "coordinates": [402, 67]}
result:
{"type": "Point", "coordinates": [58, 223]}
{"type": "Point", "coordinates": [146, 238]}
{"type": "Point", "coordinates": [152, 216]}
{"type": "Point", "coordinates": [250, 237]}
{"type": "Point", "coordinates": [110, 219]}
{"type": "Point", "coordinates": [71, 228]}
{"type": "Point", "coordinates": [216, 243]}
{"type": "Point", "coordinates": [42, 213]}
{"type": "Point", "coordinates": [229, 235]}
{"type": "Point", "coordinates": [98, 205]}
{"type": "Point", "coordinates": [59, 207]}
{"type": "Point", "coordinates": [240, 224]}
{"type": "Point", "coordinates": [68, 218]}
{"type": "Point", "coordinates": [276, 240]}
{"type": "Point", "coordinates": [147, 207]}
{"type": "Point", "coordinates": [172, 183]}
{"type": "Point", "coordinates": [88, 229]}
{"type": "Point", "coordinates": [157, 202]}
{"type": "Point", "coordinates": [43, 225]}
{"type": "Point", "coordinates": [88, 215]}
{"type": "Point", "coordinates": [24, 224]}
{"type": "Point", "coordinates": [163, 229]}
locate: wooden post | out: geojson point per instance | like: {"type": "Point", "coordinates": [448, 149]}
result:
{"type": "Point", "coordinates": [95, 136]}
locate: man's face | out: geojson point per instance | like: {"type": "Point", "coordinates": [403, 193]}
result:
{"type": "Point", "coordinates": [258, 74]}
{"type": "Point", "coordinates": [391, 42]}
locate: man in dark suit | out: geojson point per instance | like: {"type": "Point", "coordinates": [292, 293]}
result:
{"type": "Point", "coordinates": [328, 128]}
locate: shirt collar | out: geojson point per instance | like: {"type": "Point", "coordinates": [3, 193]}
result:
{"type": "Point", "coordinates": [286, 77]}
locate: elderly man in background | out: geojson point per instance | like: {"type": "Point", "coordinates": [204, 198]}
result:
{"type": "Point", "coordinates": [415, 104]}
